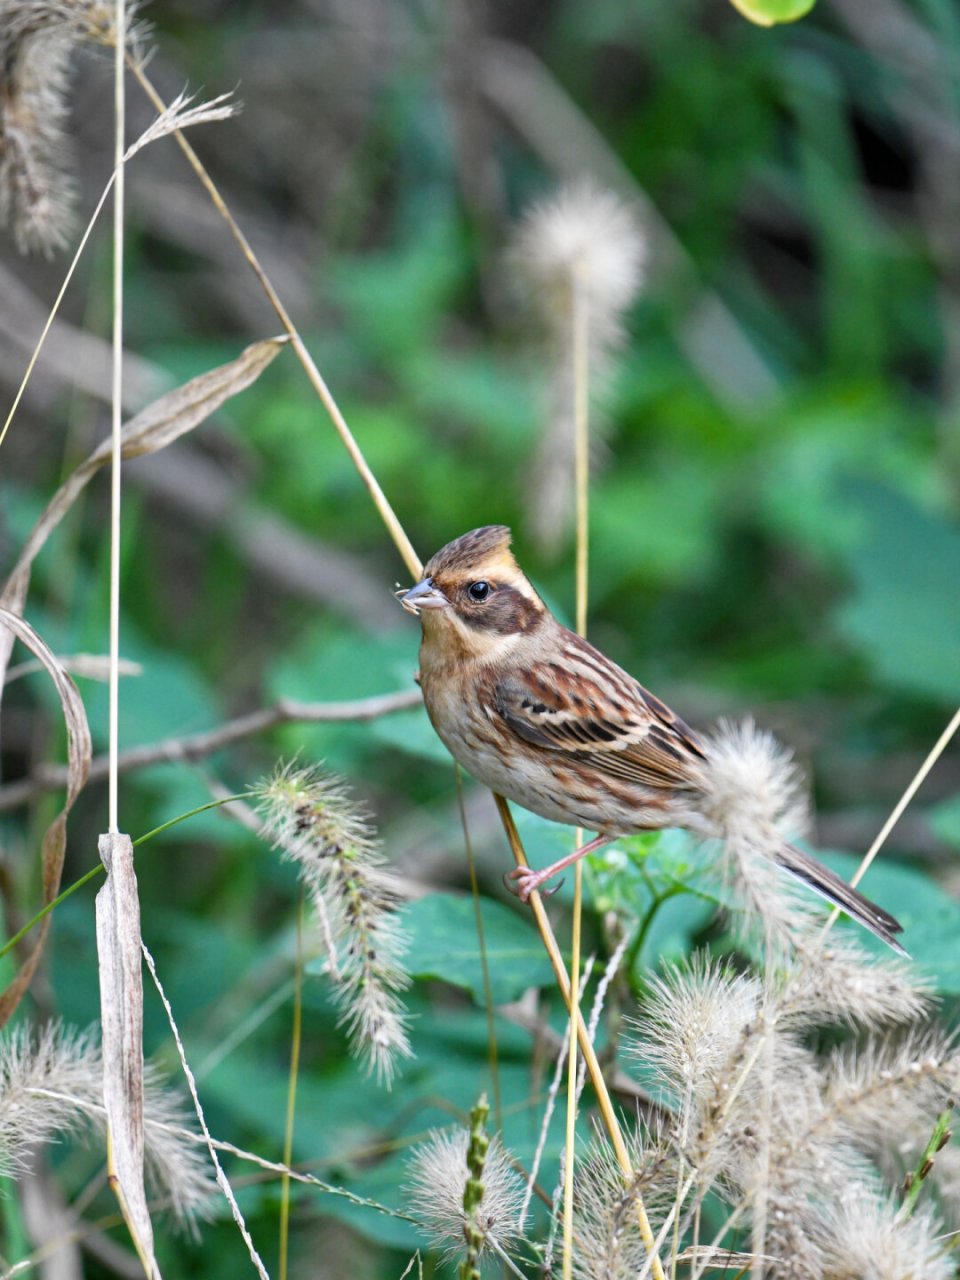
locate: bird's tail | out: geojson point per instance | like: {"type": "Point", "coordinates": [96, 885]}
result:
{"type": "Point", "coordinates": [836, 891]}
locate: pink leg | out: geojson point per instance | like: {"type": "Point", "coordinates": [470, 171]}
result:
{"type": "Point", "coordinates": [525, 880]}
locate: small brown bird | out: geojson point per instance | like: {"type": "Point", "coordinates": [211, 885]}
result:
{"type": "Point", "coordinates": [544, 719]}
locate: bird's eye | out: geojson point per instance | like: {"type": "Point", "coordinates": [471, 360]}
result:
{"type": "Point", "coordinates": [478, 591]}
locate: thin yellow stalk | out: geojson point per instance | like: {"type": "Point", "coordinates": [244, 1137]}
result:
{"type": "Point", "coordinates": [919, 777]}
{"type": "Point", "coordinates": [936, 752]}
{"type": "Point", "coordinates": [296, 1037]}
{"type": "Point", "coordinates": [609, 1115]}
{"type": "Point", "coordinates": [492, 1053]}
{"type": "Point", "coordinates": [571, 1133]}
{"type": "Point", "coordinates": [116, 407]}
{"type": "Point", "coordinates": [581, 426]}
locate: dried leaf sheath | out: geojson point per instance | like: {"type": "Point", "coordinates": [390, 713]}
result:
{"type": "Point", "coordinates": [121, 1015]}
{"type": "Point", "coordinates": [79, 752]}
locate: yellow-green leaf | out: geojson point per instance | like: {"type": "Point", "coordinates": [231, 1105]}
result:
{"type": "Point", "coordinates": [767, 13]}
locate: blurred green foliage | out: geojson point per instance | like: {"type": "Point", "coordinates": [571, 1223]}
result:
{"type": "Point", "coordinates": [773, 518]}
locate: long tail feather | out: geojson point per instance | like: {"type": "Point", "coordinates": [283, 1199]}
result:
{"type": "Point", "coordinates": [829, 885]}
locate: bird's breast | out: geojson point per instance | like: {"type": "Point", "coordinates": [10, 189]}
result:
{"type": "Point", "coordinates": [461, 704]}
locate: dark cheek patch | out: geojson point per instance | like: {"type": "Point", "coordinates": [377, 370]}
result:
{"type": "Point", "coordinates": [506, 613]}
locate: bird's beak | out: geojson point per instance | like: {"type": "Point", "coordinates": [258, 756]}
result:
{"type": "Point", "coordinates": [423, 596]}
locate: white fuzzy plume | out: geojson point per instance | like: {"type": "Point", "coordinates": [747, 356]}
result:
{"type": "Point", "coordinates": [437, 1179]}
{"type": "Point", "coordinates": [752, 800]}
{"type": "Point", "coordinates": [582, 245]}
{"type": "Point", "coordinates": [51, 1083]}
{"type": "Point", "coordinates": [314, 822]}
{"type": "Point", "coordinates": [752, 788]}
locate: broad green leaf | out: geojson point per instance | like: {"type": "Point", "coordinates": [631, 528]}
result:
{"type": "Point", "coordinates": [412, 733]}
{"type": "Point", "coordinates": [905, 611]}
{"type": "Point", "coordinates": [444, 945]}
{"type": "Point", "coordinates": [929, 914]}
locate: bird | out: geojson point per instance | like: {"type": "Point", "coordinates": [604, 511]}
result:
{"type": "Point", "coordinates": [543, 718]}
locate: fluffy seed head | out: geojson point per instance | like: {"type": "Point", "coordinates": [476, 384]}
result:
{"type": "Point", "coordinates": [863, 1235]}
{"type": "Point", "coordinates": [752, 788]}
{"type": "Point", "coordinates": [694, 1021]}
{"type": "Point", "coordinates": [911, 1076]}
{"type": "Point", "coordinates": [609, 1246]}
{"type": "Point", "coordinates": [37, 38]}
{"type": "Point", "coordinates": [751, 799]}
{"type": "Point", "coordinates": [581, 248]}
{"type": "Point", "coordinates": [313, 821]}
{"type": "Point", "coordinates": [841, 983]}
{"type": "Point", "coordinates": [583, 238]}
{"type": "Point", "coordinates": [51, 1082]}
{"type": "Point", "coordinates": [437, 1180]}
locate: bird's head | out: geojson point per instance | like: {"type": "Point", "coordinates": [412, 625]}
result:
{"type": "Point", "coordinates": [473, 594]}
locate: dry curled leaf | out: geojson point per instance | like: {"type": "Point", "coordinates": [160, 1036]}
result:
{"type": "Point", "coordinates": [184, 408]}
{"type": "Point", "coordinates": [79, 752]}
{"type": "Point", "coordinates": [161, 423]}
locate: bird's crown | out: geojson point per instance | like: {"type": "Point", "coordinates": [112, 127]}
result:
{"type": "Point", "coordinates": [487, 548]}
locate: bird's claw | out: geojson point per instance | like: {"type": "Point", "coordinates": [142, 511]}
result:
{"type": "Point", "coordinates": [524, 880]}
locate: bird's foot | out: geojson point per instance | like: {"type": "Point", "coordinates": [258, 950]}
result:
{"type": "Point", "coordinates": [525, 880]}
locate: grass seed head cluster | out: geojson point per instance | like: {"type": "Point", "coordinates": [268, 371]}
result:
{"type": "Point", "coordinates": [314, 822]}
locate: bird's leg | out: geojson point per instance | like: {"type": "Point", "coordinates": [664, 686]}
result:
{"type": "Point", "coordinates": [525, 880]}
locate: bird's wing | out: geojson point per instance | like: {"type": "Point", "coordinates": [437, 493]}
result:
{"type": "Point", "coordinates": [590, 709]}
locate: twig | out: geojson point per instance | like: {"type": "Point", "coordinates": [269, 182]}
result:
{"type": "Point", "coordinates": [542, 1139]}
{"type": "Point", "coordinates": [196, 746]}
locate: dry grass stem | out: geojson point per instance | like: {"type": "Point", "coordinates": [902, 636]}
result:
{"type": "Point", "coordinates": [121, 1018]}
{"type": "Point", "coordinates": [222, 1180]}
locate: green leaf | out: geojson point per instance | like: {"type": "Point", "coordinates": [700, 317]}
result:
{"type": "Point", "coordinates": [930, 917]}
{"type": "Point", "coordinates": [444, 945]}
{"type": "Point", "coordinates": [412, 733]}
{"type": "Point", "coordinates": [945, 820]}
{"type": "Point", "coordinates": [767, 13]}
{"type": "Point", "coordinates": [905, 612]}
